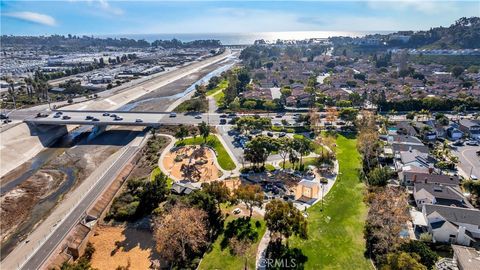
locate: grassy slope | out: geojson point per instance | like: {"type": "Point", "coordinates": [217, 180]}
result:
{"type": "Point", "coordinates": [336, 234]}
{"type": "Point", "coordinates": [222, 85]}
{"type": "Point", "coordinates": [223, 259]}
{"type": "Point", "coordinates": [224, 159]}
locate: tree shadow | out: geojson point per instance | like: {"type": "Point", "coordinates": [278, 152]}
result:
{"type": "Point", "coordinates": [241, 228]}
{"type": "Point", "coordinates": [280, 256]}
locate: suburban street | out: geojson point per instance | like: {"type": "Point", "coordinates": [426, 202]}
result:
{"type": "Point", "coordinates": [469, 162]}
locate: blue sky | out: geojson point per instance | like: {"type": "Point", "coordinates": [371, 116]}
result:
{"type": "Point", "coordinates": [103, 17]}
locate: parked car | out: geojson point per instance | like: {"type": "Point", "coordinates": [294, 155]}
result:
{"type": "Point", "coordinates": [232, 114]}
{"type": "Point", "coordinates": [59, 112]}
{"type": "Point", "coordinates": [3, 116]}
{"type": "Point", "coordinates": [106, 114]}
{"type": "Point", "coordinates": [95, 119]}
{"type": "Point", "coordinates": [223, 116]}
{"type": "Point", "coordinates": [118, 118]}
{"type": "Point", "coordinates": [66, 117]}
{"type": "Point", "coordinates": [472, 143]}
{"type": "Point", "coordinates": [458, 143]}
{"type": "Point", "coordinates": [138, 120]}
{"type": "Point", "coordinates": [478, 153]}
{"type": "Point", "coordinates": [223, 121]}
{"type": "Point", "coordinates": [173, 114]}
{"type": "Point", "coordinates": [39, 115]}
{"type": "Point", "coordinates": [113, 115]}
{"type": "Point", "coordinates": [269, 134]}
{"type": "Point", "coordinates": [89, 117]}
{"type": "Point", "coordinates": [56, 116]}
{"type": "Point", "coordinates": [282, 134]}
{"type": "Point", "coordinates": [6, 121]}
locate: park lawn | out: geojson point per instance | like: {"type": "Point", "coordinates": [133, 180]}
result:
{"type": "Point", "coordinates": [306, 161]}
{"type": "Point", "coordinates": [219, 98]}
{"type": "Point", "coordinates": [222, 85]}
{"type": "Point", "coordinates": [223, 259]}
{"type": "Point", "coordinates": [335, 236]}
{"type": "Point", "coordinates": [223, 158]}
{"type": "Point", "coordinates": [317, 148]}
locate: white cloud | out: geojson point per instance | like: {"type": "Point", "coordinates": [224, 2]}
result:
{"type": "Point", "coordinates": [33, 17]}
{"type": "Point", "coordinates": [109, 8]}
{"type": "Point", "coordinates": [423, 6]}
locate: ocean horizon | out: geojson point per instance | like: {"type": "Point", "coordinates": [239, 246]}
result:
{"type": "Point", "coordinates": [246, 38]}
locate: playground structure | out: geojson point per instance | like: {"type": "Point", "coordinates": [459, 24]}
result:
{"type": "Point", "coordinates": [193, 163]}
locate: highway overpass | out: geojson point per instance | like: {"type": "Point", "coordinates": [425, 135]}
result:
{"type": "Point", "coordinates": [130, 118]}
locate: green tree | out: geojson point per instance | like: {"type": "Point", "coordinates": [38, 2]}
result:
{"type": "Point", "coordinates": [218, 190]}
{"type": "Point", "coordinates": [379, 176]}
{"type": "Point", "coordinates": [303, 146]}
{"type": "Point", "coordinates": [250, 195]}
{"type": "Point", "coordinates": [284, 220]}
{"type": "Point", "coordinates": [154, 192]}
{"type": "Point", "coordinates": [457, 71]}
{"type": "Point", "coordinates": [181, 133]}
{"type": "Point", "coordinates": [348, 114]}
{"type": "Point", "coordinates": [403, 261]}
{"type": "Point", "coordinates": [427, 256]}
{"type": "Point", "coordinates": [204, 130]}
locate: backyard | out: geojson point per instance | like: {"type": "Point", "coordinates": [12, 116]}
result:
{"type": "Point", "coordinates": [223, 158]}
{"type": "Point", "coordinates": [335, 235]}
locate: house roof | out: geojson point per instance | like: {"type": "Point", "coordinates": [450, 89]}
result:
{"type": "Point", "coordinates": [467, 258]}
{"type": "Point", "coordinates": [431, 178]}
{"type": "Point", "coordinates": [444, 195]}
{"type": "Point", "coordinates": [469, 123]}
{"type": "Point", "coordinates": [454, 214]}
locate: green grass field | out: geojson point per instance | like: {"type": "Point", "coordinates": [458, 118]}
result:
{"type": "Point", "coordinates": [224, 159]}
{"type": "Point", "coordinates": [219, 98]}
{"type": "Point", "coordinates": [219, 258]}
{"type": "Point", "coordinates": [335, 235]}
{"type": "Point", "coordinates": [306, 162]}
{"type": "Point", "coordinates": [222, 85]}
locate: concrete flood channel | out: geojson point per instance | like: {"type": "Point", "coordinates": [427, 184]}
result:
{"type": "Point", "coordinates": [59, 162]}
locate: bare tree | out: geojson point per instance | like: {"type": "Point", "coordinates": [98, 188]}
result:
{"type": "Point", "coordinates": [181, 232]}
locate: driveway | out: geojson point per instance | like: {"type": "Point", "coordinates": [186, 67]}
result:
{"type": "Point", "coordinates": [469, 162]}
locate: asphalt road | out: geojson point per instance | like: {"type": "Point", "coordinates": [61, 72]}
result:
{"type": "Point", "coordinates": [61, 230]}
{"type": "Point", "coordinates": [469, 162]}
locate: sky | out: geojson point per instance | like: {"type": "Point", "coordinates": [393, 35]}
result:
{"type": "Point", "coordinates": [103, 17]}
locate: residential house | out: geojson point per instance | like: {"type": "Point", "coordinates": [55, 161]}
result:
{"type": "Point", "coordinates": [452, 224]}
{"type": "Point", "coordinates": [454, 133]}
{"type": "Point", "coordinates": [413, 157]}
{"type": "Point", "coordinates": [430, 193]}
{"type": "Point", "coordinates": [410, 177]}
{"type": "Point", "coordinates": [470, 127]}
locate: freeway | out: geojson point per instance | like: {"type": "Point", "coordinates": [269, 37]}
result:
{"type": "Point", "coordinates": [61, 230]}
{"type": "Point", "coordinates": [129, 118]}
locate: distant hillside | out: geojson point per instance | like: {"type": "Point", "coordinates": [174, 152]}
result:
{"type": "Point", "coordinates": [463, 34]}
{"type": "Point", "coordinates": [69, 42]}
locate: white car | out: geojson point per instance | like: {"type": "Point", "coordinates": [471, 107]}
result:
{"type": "Point", "coordinates": [236, 211]}
{"type": "Point", "coordinates": [473, 177]}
